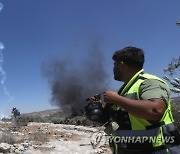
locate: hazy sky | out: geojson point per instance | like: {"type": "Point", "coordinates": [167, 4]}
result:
{"type": "Point", "coordinates": [34, 32]}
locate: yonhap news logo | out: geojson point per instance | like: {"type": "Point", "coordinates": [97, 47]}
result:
{"type": "Point", "coordinates": [101, 138]}
{"type": "Point", "coordinates": [141, 139]}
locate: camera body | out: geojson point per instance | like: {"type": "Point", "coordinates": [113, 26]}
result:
{"type": "Point", "coordinates": [97, 110]}
{"type": "Point", "coordinates": [94, 111]}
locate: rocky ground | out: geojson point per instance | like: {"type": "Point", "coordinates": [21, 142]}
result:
{"type": "Point", "coordinates": [54, 132]}
{"type": "Point", "coordinates": [49, 138]}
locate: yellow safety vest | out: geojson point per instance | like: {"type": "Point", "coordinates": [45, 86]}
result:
{"type": "Point", "coordinates": [141, 127]}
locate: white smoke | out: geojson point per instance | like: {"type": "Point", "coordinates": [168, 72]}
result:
{"type": "Point", "coordinates": [4, 116]}
{"type": "Point", "coordinates": [1, 6]}
{"type": "Point", "coordinates": [2, 72]}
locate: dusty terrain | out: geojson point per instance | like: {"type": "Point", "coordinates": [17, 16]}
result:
{"type": "Point", "coordinates": [49, 138]}
{"type": "Point", "coordinates": [53, 132]}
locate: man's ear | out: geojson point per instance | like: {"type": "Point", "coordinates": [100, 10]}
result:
{"type": "Point", "coordinates": [123, 66]}
{"type": "Point", "coordinates": [121, 63]}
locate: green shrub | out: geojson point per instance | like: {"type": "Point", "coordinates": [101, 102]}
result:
{"type": "Point", "coordinates": [23, 120]}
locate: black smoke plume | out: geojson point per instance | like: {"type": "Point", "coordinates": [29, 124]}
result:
{"type": "Point", "coordinates": [71, 85]}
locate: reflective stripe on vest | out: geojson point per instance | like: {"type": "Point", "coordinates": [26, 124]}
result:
{"type": "Point", "coordinates": [150, 132]}
{"type": "Point", "coordinates": [137, 133]}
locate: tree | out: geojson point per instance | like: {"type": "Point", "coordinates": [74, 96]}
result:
{"type": "Point", "coordinates": [172, 73]}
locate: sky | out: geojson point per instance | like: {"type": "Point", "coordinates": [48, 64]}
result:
{"type": "Point", "coordinates": [33, 32]}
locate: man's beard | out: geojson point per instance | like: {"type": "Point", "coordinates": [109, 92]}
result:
{"type": "Point", "coordinates": [118, 75]}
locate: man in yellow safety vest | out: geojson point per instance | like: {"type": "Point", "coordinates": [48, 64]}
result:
{"type": "Point", "coordinates": [141, 108]}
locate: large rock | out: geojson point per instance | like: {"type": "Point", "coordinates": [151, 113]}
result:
{"type": "Point", "coordinates": [5, 147]}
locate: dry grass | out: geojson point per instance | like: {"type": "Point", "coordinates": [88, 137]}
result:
{"type": "Point", "coordinates": [7, 137]}
{"type": "Point", "coordinates": [39, 137]}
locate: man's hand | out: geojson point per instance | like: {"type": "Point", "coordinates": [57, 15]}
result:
{"type": "Point", "coordinates": [96, 98]}
{"type": "Point", "coordinates": [111, 97]}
